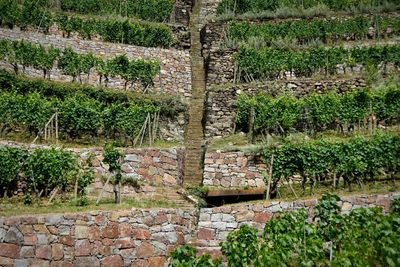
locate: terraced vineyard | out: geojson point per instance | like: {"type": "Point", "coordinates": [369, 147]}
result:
{"type": "Point", "coordinates": [186, 107]}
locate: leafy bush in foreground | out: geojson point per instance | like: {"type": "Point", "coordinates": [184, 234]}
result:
{"type": "Point", "coordinates": [364, 237]}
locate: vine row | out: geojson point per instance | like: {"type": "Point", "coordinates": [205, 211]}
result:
{"type": "Point", "coordinates": [354, 159]}
{"type": "Point", "coordinates": [26, 54]}
{"type": "Point", "coordinates": [79, 116]}
{"type": "Point", "coordinates": [326, 30]}
{"type": "Point", "coordinates": [257, 6]}
{"type": "Point", "coordinates": [37, 14]}
{"type": "Point", "coordinates": [152, 10]}
{"type": "Point", "coordinates": [272, 63]}
{"type": "Point", "coordinates": [43, 170]}
{"type": "Point", "coordinates": [361, 237]}
{"type": "Point", "coordinates": [169, 106]}
{"type": "Point", "coordinates": [320, 112]}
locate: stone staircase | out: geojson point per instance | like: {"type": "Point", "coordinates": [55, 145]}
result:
{"type": "Point", "coordinates": [172, 195]}
{"type": "Point", "coordinates": [194, 138]}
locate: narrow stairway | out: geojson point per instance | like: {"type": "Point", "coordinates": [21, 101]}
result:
{"type": "Point", "coordinates": [193, 170]}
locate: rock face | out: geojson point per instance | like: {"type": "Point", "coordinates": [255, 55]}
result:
{"type": "Point", "coordinates": [142, 237]}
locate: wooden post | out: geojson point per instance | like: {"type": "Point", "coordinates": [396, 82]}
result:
{"type": "Point", "coordinates": [53, 194]}
{"type": "Point", "coordinates": [102, 190]}
{"type": "Point", "coordinates": [270, 176]}
{"type": "Point", "coordinates": [334, 180]}
{"type": "Point", "coordinates": [251, 125]}
{"type": "Point", "coordinates": [291, 188]}
{"type": "Point", "coordinates": [76, 189]}
{"type": "Point", "coordinates": [57, 127]}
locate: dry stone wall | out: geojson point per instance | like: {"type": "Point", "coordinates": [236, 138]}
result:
{"type": "Point", "coordinates": [221, 102]}
{"type": "Point", "coordinates": [174, 78]}
{"type": "Point", "coordinates": [141, 237]}
{"type": "Point", "coordinates": [233, 170]}
{"type": "Point", "coordinates": [151, 167]}
{"type": "Point", "coordinates": [181, 12]}
{"type": "Point", "coordinates": [216, 223]}
{"type": "Point", "coordinates": [208, 10]}
{"type": "Point", "coordinates": [136, 237]}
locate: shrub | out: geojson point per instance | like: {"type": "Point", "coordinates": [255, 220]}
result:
{"type": "Point", "coordinates": [47, 169]}
{"type": "Point", "coordinates": [11, 162]}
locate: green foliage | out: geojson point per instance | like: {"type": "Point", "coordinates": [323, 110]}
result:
{"type": "Point", "coordinates": [271, 63]}
{"type": "Point", "coordinates": [79, 116]}
{"type": "Point", "coordinates": [117, 31]}
{"type": "Point", "coordinates": [396, 205]}
{"type": "Point", "coordinates": [113, 158]}
{"type": "Point", "coordinates": [10, 13]}
{"type": "Point", "coordinates": [47, 169]}
{"type": "Point", "coordinates": [75, 65]}
{"type": "Point", "coordinates": [84, 179]}
{"type": "Point", "coordinates": [168, 106]}
{"type": "Point", "coordinates": [26, 105]}
{"type": "Point", "coordinates": [365, 237]}
{"type": "Point", "coordinates": [11, 160]}
{"type": "Point", "coordinates": [185, 256]}
{"type": "Point", "coordinates": [37, 14]}
{"type": "Point", "coordinates": [153, 10]}
{"type": "Point", "coordinates": [318, 112]}
{"type": "Point", "coordinates": [305, 31]}
{"type": "Point", "coordinates": [243, 6]}
{"type": "Point", "coordinates": [352, 158]}
{"type": "Point", "coordinates": [241, 247]}
{"type": "Point", "coordinates": [292, 240]}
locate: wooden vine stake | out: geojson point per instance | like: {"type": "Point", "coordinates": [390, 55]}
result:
{"type": "Point", "coordinates": [102, 190]}
{"type": "Point", "coordinates": [270, 176]}
{"type": "Point", "coordinates": [53, 194]}
{"type": "Point", "coordinates": [251, 125]}
{"type": "Point", "coordinates": [334, 180]}
{"type": "Point", "coordinates": [291, 187]}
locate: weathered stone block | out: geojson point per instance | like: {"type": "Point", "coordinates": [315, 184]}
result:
{"type": "Point", "coordinates": [43, 252]}
{"type": "Point", "coordinates": [9, 250]}
{"type": "Point", "coordinates": [112, 261]}
{"type": "Point", "coordinates": [145, 250]}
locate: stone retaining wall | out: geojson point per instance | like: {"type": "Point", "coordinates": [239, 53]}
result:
{"type": "Point", "coordinates": [233, 170]}
{"type": "Point", "coordinates": [216, 223]}
{"type": "Point", "coordinates": [221, 102]}
{"type": "Point", "coordinates": [208, 9]}
{"type": "Point", "coordinates": [151, 167]}
{"type": "Point", "coordinates": [141, 237]}
{"type": "Point", "coordinates": [136, 238]}
{"type": "Point", "coordinates": [174, 78]}
{"type": "Point", "coordinates": [181, 13]}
